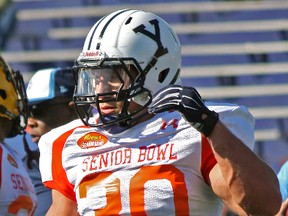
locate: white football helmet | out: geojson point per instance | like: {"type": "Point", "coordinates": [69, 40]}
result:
{"type": "Point", "coordinates": [146, 49]}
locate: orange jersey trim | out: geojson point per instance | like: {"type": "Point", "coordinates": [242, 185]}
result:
{"type": "Point", "coordinates": [208, 160]}
{"type": "Point", "coordinates": [60, 181]}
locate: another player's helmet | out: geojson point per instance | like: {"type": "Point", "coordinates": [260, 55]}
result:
{"type": "Point", "coordinates": [137, 47]}
{"type": "Point", "coordinates": [49, 86]}
{"type": "Point", "coordinates": [13, 100]}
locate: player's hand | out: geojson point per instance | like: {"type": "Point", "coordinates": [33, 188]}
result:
{"type": "Point", "coordinates": [189, 103]}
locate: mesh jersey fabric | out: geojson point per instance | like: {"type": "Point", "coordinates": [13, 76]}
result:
{"type": "Point", "coordinates": [159, 166]}
{"type": "Point", "coordinates": [17, 195]}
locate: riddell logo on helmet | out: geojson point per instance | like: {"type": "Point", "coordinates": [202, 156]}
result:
{"type": "Point", "coordinates": [93, 54]}
{"type": "Point", "coordinates": [92, 140]}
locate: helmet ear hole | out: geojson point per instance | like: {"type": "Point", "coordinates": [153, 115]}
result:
{"type": "Point", "coordinates": [162, 75]}
{"type": "Point", "coordinates": [3, 94]}
{"type": "Point", "coordinates": [128, 21]}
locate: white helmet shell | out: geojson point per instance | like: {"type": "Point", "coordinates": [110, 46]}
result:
{"type": "Point", "coordinates": [140, 35]}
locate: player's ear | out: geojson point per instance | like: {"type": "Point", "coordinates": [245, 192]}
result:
{"type": "Point", "coordinates": [71, 106]}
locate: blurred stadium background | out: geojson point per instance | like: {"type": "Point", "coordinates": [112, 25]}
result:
{"type": "Point", "coordinates": [233, 51]}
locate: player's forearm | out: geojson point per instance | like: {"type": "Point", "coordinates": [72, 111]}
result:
{"type": "Point", "coordinates": [284, 209]}
{"type": "Point", "coordinates": [252, 183]}
{"type": "Point", "coordinates": [61, 205]}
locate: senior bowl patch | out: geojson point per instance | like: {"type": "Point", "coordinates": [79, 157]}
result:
{"type": "Point", "coordinates": [92, 140]}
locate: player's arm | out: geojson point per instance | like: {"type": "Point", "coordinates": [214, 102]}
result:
{"type": "Point", "coordinates": [51, 146]}
{"type": "Point", "coordinates": [241, 179]}
{"type": "Point", "coordinates": [61, 205]}
{"type": "Point", "coordinates": [284, 209]}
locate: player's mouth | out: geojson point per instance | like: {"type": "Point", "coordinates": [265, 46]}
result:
{"type": "Point", "coordinates": [106, 110]}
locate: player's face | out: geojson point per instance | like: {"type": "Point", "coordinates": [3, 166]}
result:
{"type": "Point", "coordinates": [46, 116]}
{"type": "Point", "coordinates": [105, 83]}
{"type": "Point", "coordinates": [110, 83]}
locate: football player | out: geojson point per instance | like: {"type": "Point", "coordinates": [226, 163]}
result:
{"type": "Point", "coordinates": [50, 101]}
{"type": "Point", "coordinates": [150, 146]}
{"type": "Point", "coordinates": [17, 195]}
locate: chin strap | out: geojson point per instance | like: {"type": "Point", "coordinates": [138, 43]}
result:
{"type": "Point", "coordinates": [6, 112]}
{"type": "Point", "coordinates": [31, 155]}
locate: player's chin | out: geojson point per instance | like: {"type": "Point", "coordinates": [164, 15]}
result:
{"type": "Point", "coordinates": [35, 139]}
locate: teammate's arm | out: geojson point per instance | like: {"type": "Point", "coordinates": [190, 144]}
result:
{"type": "Point", "coordinates": [284, 209]}
{"type": "Point", "coordinates": [61, 205]}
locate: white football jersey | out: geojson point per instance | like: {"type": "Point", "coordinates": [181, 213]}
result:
{"type": "Point", "coordinates": [158, 167]}
{"type": "Point", "coordinates": [17, 195]}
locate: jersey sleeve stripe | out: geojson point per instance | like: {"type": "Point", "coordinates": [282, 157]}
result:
{"type": "Point", "coordinates": [60, 181]}
{"type": "Point", "coordinates": [208, 160]}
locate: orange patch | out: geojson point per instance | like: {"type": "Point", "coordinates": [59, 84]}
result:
{"type": "Point", "coordinates": [92, 140]}
{"type": "Point", "coordinates": [12, 161]}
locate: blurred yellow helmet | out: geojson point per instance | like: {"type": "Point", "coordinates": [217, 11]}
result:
{"type": "Point", "coordinates": [13, 99]}
{"type": "Point", "coordinates": [8, 95]}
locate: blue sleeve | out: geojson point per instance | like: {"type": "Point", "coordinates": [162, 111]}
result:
{"type": "Point", "coordinates": [283, 180]}
{"type": "Point", "coordinates": [44, 196]}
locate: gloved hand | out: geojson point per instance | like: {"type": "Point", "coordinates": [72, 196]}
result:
{"type": "Point", "coordinates": [189, 103]}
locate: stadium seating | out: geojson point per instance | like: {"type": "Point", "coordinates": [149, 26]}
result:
{"type": "Point", "coordinates": [7, 21]}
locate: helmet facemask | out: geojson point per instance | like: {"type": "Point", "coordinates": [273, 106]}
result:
{"type": "Point", "coordinates": [22, 102]}
{"type": "Point", "coordinates": [107, 87]}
